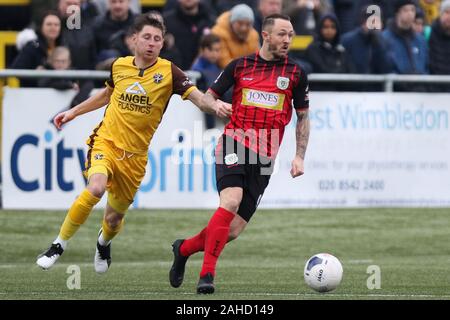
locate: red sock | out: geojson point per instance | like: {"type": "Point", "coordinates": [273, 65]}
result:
{"type": "Point", "coordinates": [216, 237]}
{"type": "Point", "coordinates": [194, 244]}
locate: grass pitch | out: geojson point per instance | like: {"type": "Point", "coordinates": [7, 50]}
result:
{"type": "Point", "coordinates": [411, 247]}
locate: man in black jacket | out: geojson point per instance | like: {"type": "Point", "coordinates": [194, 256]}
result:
{"type": "Point", "coordinates": [118, 18]}
{"type": "Point", "coordinates": [80, 41]}
{"type": "Point", "coordinates": [439, 44]}
{"type": "Point", "coordinates": [188, 22]}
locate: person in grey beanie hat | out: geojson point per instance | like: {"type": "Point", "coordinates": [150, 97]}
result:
{"type": "Point", "coordinates": [242, 12]}
{"type": "Point", "coordinates": [445, 5]}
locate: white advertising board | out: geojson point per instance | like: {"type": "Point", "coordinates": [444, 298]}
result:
{"type": "Point", "coordinates": [365, 150]}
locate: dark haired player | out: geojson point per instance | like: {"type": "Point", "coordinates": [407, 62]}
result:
{"type": "Point", "coordinates": [136, 95]}
{"type": "Point", "coordinates": [268, 86]}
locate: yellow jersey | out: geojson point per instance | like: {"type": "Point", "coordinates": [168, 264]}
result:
{"type": "Point", "coordinates": [138, 102]}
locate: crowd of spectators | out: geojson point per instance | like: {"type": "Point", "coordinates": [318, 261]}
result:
{"type": "Point", "coordinates": [347, 36]}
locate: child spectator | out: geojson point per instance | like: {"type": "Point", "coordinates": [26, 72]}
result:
{"type": "Point", "coordinates": [59, 60]}
{"type": "Point", "coordinates": [207, 65]}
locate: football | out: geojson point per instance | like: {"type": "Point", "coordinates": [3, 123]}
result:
{"type": "Point", "coordinates": [323, 272]}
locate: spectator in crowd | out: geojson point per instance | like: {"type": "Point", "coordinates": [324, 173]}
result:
{"type": "Point", "coordinates": [207, 65]}
{"type": "Point", "coordinates": [35, 53]}
{"type": "Point", "coordinates": [123, 42]}
{"type": "Point", "coordinates": [419, 25]}
{"type": "Point", "coordinates": [430, 9]}
{"type": "Point", "coordinates": [103, 7]}
{"type": "Point", "coordinates": [306, 13]}
{"type": "Point", "coordinates": [366, 47]}
{"type": "Point", "coordinates": [266, 8]}
{"type": "Point", "coordinates": [116, 20]}
{"type": "Point", "coordinates": [440, 42]}
{"type": "Point", "coordinates": [238, 37]}
{"type": "Point", "coordinates": [386, 8]}
{"type": "Point", "coordinates": [210, 6]}
{"type": "Point", "coordinates": [345, 12]}
{"type": "Point", "coordinates": [226, 5]}
{"type": "Point", "coordinates": [188, 22]}
{"type": "Point", "coordinates": [326, 54]}
{"type": "Point", "coordinates": [407, 50]}
{"type": "Point", "coordinates": [121, 45]}
{"type": "Point", "coordinates": [80, 41]}
{"type": "Point", "coordinates": [89, 11]}
{"type": "Point", "coordinates": [59, 59]}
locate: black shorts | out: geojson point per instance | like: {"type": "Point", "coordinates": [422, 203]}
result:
{"type": "Point", "coordinates": [237, 166]}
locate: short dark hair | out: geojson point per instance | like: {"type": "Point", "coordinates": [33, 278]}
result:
{"type": "Point", "coordinates": [143, 20]}
{"type": "Point", "coordinates": [270, 20]}
{"type": "Point", "coordinates": [208, 40]}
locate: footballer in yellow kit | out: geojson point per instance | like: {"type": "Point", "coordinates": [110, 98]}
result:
{"type": "Point", "coordinates": [136, 97]}
{"type": "Point", "coordinates": [118, 146]}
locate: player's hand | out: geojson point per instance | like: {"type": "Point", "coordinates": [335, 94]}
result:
{"type": "Point", "coordinates": [298, 167]}
{"type": "Point", "coordinates": [62, 118]}
{"type": "Point", "coordinates": [223, 109]}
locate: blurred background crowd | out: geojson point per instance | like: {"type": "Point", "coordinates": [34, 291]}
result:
{"type": "Point", "coordinates": [332, 36]}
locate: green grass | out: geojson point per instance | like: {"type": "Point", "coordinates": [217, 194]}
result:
{"type": "Point", "coordinates": [411, 246]}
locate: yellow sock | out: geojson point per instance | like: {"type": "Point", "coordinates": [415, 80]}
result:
{"type": "Point", "coordinates": [109, 233]}
{"type": "Point", "coordinates": [78, 213]}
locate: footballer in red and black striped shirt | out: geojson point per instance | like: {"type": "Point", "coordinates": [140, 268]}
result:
{"type": "Point", "coordinates": [264, 94]}
{"type": "Point", "coordinates": [268, 86]}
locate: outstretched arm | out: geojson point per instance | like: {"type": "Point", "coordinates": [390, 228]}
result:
{"type": "Point", "coordinates": [302, 137]}
{"type": "Point", "coordinates": [96, 101]}
{"type": "Point", "coordinates": [208, 103]}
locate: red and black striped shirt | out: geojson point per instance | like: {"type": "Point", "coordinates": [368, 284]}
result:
{"type": "Point", "coordinates": [263, 97]}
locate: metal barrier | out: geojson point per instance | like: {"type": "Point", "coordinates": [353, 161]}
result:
{"type": "Point", "coordinates": [387, 79]}
{"type": "Point", "coordinates": [70, 74]}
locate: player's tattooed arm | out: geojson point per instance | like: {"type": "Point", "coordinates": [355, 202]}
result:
{"type": "Point", "coordinates": [302, 132]}
{"type": "Point", "coordinates": [302, 137]}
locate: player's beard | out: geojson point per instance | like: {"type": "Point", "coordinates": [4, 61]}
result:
{"type": "Point", "coordinates": [275, 53]}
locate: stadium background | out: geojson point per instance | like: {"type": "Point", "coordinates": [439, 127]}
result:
{"type": "Point", "coordinates": [375, 192]}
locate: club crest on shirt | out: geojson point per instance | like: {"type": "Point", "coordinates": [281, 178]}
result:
{"type": "Point", "coordinates": [98, 156]}
{"type": "Point", "coordinates": [157, 77]}
{"type": "Point", "coordinates": [282, 83]}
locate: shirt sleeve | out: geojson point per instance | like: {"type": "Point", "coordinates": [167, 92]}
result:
{"type": "Point", "coordinates": [301, 92]}
{"type": "Point", "coordinates": [225, 79]}
{"type": "Point", "coordinates": [181, 83]}
{"type": "Point", "coordinates": [110, 81]}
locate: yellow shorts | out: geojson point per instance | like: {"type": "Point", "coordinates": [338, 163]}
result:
{"type": "Point", "coordinates": [124, 170]}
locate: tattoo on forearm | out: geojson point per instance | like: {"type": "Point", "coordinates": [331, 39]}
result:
{"type": "Point", "coordinates": [302, 133]}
